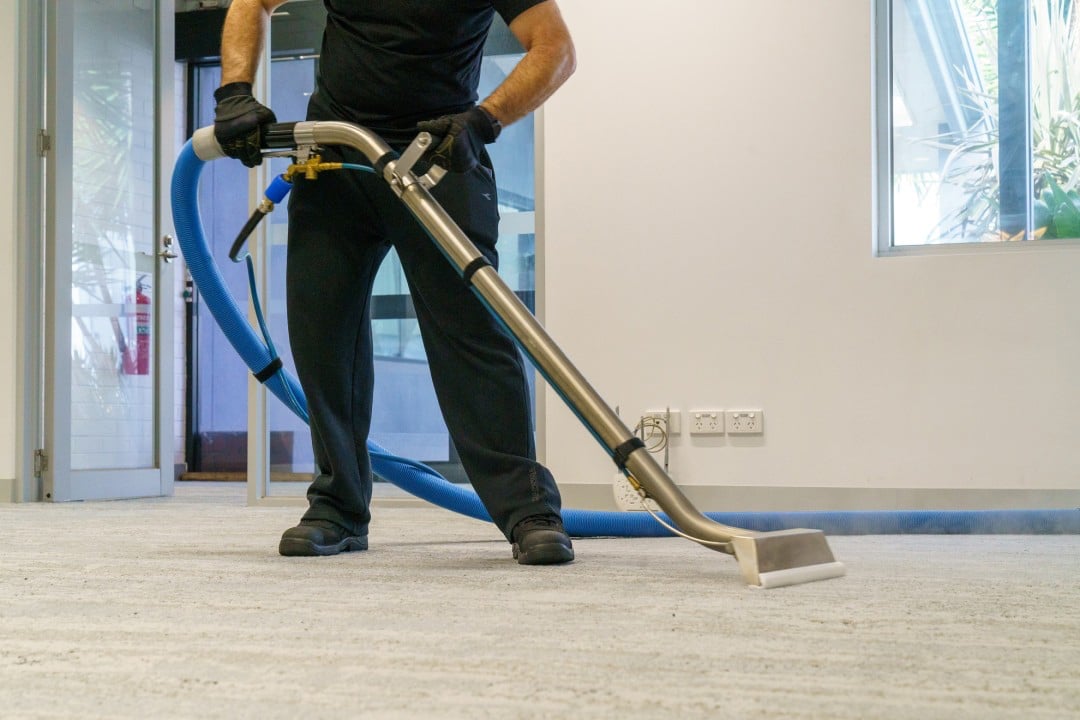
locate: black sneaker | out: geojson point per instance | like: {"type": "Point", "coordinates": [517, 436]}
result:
{"type": "Point", "coordinates": [541, 540]}
{"type": "Point", "coordinates": [320, 537]}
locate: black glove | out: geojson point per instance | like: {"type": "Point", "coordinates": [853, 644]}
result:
{"type": "Point", "coordinates": [238, 122]}
{"type": "Point", "coordinates": [463, 137]}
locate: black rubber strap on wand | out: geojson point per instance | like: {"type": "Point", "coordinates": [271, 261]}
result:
{"type": "Point", "coordinates": [269, 371]}
{"type": "Point", "coordinates": [474, 267]}
{"type": "Point", "coordinates": [623, 452]}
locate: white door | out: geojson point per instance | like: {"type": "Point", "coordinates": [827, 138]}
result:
{"type": "Point", "coordinates": [109, 384]}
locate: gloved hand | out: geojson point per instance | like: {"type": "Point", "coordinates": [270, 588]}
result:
{"type": "Point", "coordinates": [238, 122]}
{"type": "Point", "coordinates": [463, 136]}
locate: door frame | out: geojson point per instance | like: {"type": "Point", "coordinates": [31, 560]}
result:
{"type": "Point", "coordinates": [29, 254]}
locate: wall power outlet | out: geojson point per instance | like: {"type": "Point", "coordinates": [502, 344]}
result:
{"type": "Point", "coordinates": [706, 422]}
{"type": "Point", "coordinates": [744, 422]}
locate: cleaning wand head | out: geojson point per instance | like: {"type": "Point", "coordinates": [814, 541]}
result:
{"type": "Point", "coordinates": [784, 557]}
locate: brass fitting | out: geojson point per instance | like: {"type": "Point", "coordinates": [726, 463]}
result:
{"type": "Point", "coordinates": [310, 168]}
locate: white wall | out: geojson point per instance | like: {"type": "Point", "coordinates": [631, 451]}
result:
{"type": "Point", "coordinates": [9, 70]}
{"type": "Point", "coordinates": [709, 243]}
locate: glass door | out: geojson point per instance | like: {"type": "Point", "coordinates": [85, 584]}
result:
{"type": "Point", "coordinates": [109, 370]}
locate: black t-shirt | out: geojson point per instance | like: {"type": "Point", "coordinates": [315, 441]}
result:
{"type": "Point", "coordinates": [388, 64]}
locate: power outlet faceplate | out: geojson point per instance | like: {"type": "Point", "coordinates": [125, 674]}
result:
{"type": "Point", "coordinates": [706, 422]}
{"type": "Point", "coordinates": [745, 422]}
{"type": "Point", "coordinates": [670, 418]}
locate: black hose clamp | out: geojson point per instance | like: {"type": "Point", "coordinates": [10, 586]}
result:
{"type": "Point", "coordinates": [269, 371]}
{"type": "Point", "coordinates": [622, 453]}
{"type": "Point", "coordinates": [474, 267]}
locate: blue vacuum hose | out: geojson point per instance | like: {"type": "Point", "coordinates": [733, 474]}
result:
{"type": "Point", "coordinates": [423, 482]}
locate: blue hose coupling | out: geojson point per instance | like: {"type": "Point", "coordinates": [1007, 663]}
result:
{"type": "Point", "coordinates": [274, 194]}
{"type": "Point", "coordinates": [278, 189]}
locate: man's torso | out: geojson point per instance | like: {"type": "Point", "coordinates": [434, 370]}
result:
{"type": "Point", "coordinates": [388, 64]}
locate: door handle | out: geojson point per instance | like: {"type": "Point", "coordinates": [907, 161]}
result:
{"type": "Point", "coordinates": [167, 254]}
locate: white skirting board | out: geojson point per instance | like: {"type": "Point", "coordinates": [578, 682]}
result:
{"type": "Point", "coordinates": [711, 498]}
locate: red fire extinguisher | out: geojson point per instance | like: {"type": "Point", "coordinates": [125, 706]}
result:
{"type": "Point", "coordinates": [137, 358]}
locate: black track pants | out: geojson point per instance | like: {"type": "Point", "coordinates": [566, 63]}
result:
{"type": "Point", "coordinates": [340, 228]}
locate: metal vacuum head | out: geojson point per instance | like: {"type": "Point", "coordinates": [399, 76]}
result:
{"type": "Point", "coordinates": [785, 557]}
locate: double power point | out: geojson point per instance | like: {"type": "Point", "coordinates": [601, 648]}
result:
{"type": "Point", "coordinates": [744, 422]}
{"type": "Point", "coordinates": [706, 422]}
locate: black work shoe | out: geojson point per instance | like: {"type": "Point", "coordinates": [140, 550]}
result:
{"type": "Point", "coordinates": [320, 537]}
{"type": "Point", "coordinates": [541, 540]}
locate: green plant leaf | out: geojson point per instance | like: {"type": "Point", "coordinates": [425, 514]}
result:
{"type": "Point", "coordinates": [1067, 221]}
{"type": "Point", "coordinates": [1059, 196]}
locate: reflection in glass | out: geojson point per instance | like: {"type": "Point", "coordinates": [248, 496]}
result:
{"type": "Point", "coordinates": [113, 237]}
{"type": "Point", "coordinates": [985, 121]}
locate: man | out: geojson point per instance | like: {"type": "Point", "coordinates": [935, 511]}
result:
{"type": "Point", "coordinates": [399, 68]}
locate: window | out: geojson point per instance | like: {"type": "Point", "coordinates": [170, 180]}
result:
{"type": "Point", "coordinates": [980, 121]}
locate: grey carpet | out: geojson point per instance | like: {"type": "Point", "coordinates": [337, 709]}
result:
{"type": "Point", "coordinates": [181, 608]}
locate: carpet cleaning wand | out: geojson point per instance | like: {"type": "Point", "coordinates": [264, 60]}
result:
{"type": "Point", "coordinates": [766, 559]}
